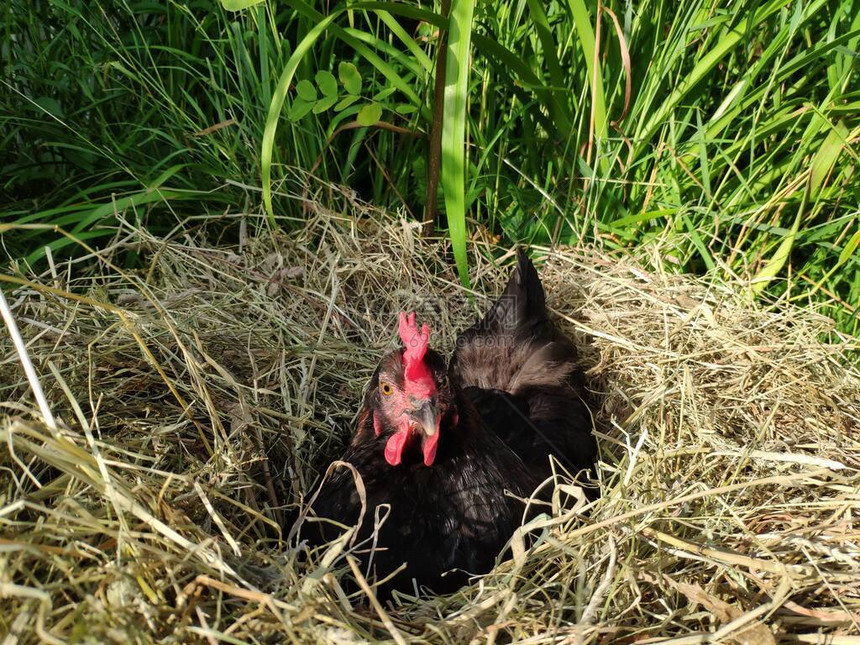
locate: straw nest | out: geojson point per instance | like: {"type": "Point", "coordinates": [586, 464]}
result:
{"type": "Point", "coordinates": [199, 394]}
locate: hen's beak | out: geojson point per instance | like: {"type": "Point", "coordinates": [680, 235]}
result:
{"type": "Point", "coordinates": [426, 417]}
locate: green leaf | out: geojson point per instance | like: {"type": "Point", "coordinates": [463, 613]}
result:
{"type": "Point", "coordinates": [350, 77]}
{"type": "Point", "coordinates": [306, 90]}
{"type": "Point", "coordinates": [826, 156]}
{"type": "Point", "coordinates": [369, 114]}
{"type": "Point", "coordinates": [327, 83]}
{"type": "Point", "coordinates": [300, 108]}
{"type": "Point", "coordinates": [238, 5]}
{"type": "Point", "coordinates": [849, 249]}
{"type": "Point", "coordinates": [50, 105]}
{"type": "Point", "coordinates": [345, 102]}
{"type": "Point", "coordinates": [454, 129]}
{"type": "Point", "coordinates": [350, 37]}
{"type": "Point", "coordinates": [405, 108]}
{"type": "Point", "coordinates": [777, 261]}
{"type": "Point", "coordinates": [384, 93]}
{"type": "Point", "coordinates": [324, 104]}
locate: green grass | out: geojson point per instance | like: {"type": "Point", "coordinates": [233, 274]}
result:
{"type": "Point", "coordinates": [736, 145]}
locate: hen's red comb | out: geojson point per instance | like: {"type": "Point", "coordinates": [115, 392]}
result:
{"type": "Point", "coordinates": [415, 341]}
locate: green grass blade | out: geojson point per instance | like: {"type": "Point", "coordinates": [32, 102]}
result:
{"type": "Point", "coordinates": [728, 41]}
{"type": "Point", "coordinates": [850, 249]}
{"type": "Point", "coordinates": [821, 167]}
{"type": "Point", "coordinates": [595, 77]}
{"type": "Point", "coordinates": [238, 5]}
{"type": "Point", "coordinates": [826, 156]}
{"type": "Point", "coordinates": [698, 242]}
{"type": "Point", "coordinates": [417, 53]}
{"type": "Point", "coordinates": [454, 129]}
{"type": "Point", "coordinates": [277, 104]}
{"type": "Point", "coordinates": [769, 271]}
{"type": "Point", "coordinates": [557, 108]}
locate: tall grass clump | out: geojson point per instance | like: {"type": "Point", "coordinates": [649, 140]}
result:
{"type": "Point", "coordinates": [725, 133]}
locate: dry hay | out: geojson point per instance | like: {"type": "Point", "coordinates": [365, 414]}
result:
{"type": "Point", "coordinates": [200, 393]}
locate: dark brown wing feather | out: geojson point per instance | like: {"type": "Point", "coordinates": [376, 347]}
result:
{"type": "Point", "coordinates": [523, 376]}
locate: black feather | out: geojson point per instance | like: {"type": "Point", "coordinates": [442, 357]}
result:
{"type": "Point", "coordinates": [524, 376]}
{"type": "Point", "coordinates": [521, 303]}
{"type": "Point", "coordinates": [444, 523]}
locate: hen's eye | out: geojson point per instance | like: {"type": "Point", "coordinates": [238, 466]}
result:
{"type": "Point", "coordinates": [386, 389]}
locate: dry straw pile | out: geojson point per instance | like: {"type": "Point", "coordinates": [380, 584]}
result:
{"type": "Point", "coordinates": [198, 395]}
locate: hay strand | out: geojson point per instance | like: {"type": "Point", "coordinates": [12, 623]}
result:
{"type": "Point", "coordinates": [200, 396]}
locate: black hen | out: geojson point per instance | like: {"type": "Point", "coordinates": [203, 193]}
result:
{"type": "Point", "coordinates": [443, 454]}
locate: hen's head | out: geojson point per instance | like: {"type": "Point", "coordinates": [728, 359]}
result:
{"type": "Point", "coordinates": [409, 396]}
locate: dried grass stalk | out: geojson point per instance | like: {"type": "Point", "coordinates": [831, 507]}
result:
{"type": "Point", "coordinates": [199, 396]}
